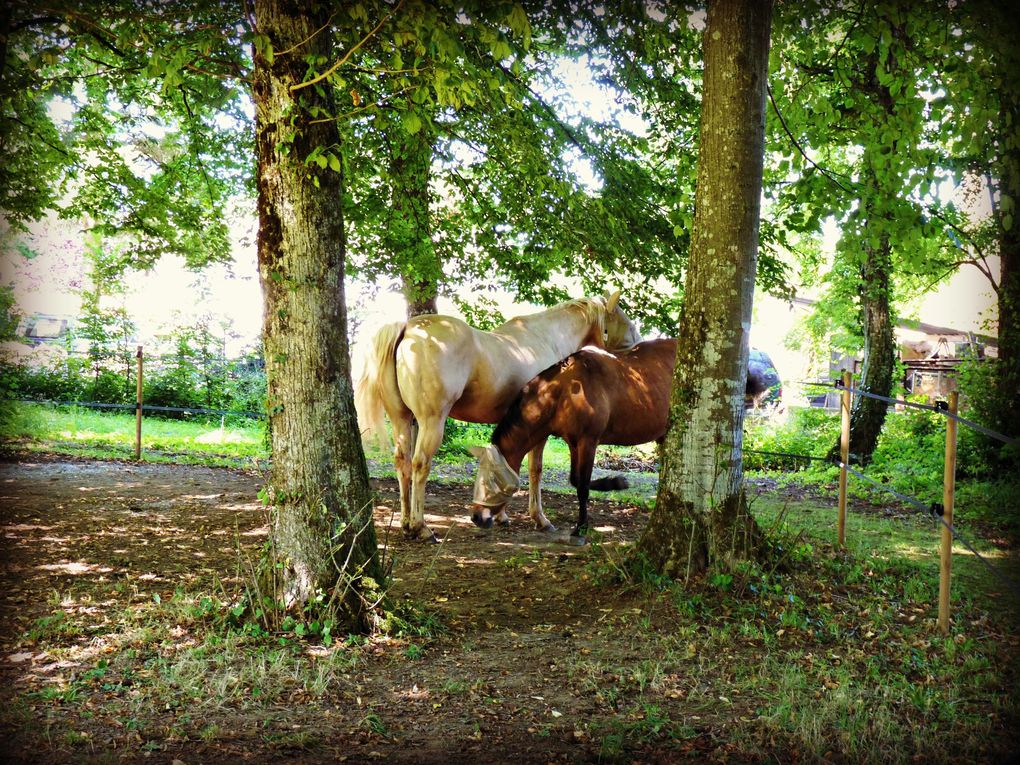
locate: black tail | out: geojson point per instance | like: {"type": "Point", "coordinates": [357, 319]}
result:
{"type": "Point", "coordinates": [610, 483]}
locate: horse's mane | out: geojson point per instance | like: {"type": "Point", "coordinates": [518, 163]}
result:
{"type": "Point", "coordinates": [594, 311]}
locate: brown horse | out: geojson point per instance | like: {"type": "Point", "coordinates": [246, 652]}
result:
{"type": "Point", "coordinates": [591, 398]}
{"type": "Point", "coordinates": [426, 369]}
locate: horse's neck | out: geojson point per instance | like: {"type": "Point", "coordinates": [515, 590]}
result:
{"type": "Point", "coordinates": [515, 437]}
{"type": "Point", "coordinates": [551, 335]}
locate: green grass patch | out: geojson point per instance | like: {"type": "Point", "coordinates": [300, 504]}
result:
{"type": "Point", "coordinates": [111, 435]}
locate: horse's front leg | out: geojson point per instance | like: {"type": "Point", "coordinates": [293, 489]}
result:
{"type": "Point", "coordinates": [430, 435]}
{"type": "Point", "coordinates": [582, 462]}
{"type": "Point", "coordinates": [535, 489]}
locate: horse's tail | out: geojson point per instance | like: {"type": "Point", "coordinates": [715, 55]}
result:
{"type": "Point", "coordinates": [609, 483]}
{"type": "Point", "coordinates": [378, 378]}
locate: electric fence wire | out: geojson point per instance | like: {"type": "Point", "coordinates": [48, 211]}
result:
{"type": "Point", "coordinates": [939, 408]}
{"type": "Point", "coordinates": [936, 510]}
{"type": "Point", "coordinates": [145, 407]}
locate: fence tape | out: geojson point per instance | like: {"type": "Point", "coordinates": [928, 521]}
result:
{"type": "Point", "coordinates": [939, 408]}
{"type": "Point", "coordinates": [145, 407]}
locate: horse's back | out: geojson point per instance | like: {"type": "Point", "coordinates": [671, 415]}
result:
{"type": "Point", "coordinates": [620, 398]}
{"type": "Point", "coordinates": [445, 367]}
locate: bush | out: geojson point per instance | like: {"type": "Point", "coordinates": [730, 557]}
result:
{"type": "Point", "coordinates": [805, 431]}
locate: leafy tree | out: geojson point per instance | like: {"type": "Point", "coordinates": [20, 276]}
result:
{"type": "Point", "coordinates": [852, 112]}
{"type": "Point", "coordinates": [107, 330]}
{"type": "Point", "coordinates": [155, 141]}
{"type": "Point", "coordinates": [701, 514]}
{"type": "Point", "coordinates": [982, 106]}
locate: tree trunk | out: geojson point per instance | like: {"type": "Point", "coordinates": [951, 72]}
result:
{"type": "Point", "coordinates": [1008, 365]}
{"type": "Point", "coordinates": [410, 230]}
{"type": "Point", "coordinates": [322, 523]}
{"type": "Point", "coordinates": [701, 514]}
{"type": "Point", "coordinates": [868, 414]}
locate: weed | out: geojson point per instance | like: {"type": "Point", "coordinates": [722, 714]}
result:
{"type": "Point", "coordinates": [373, 723]}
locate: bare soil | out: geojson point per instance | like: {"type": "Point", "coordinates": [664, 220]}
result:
{"type": "Point", "coordinates": [507, 680]}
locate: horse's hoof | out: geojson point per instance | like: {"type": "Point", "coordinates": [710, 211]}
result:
{"type": "Point", "coordinates": [577, 540]}
{"type": "Point", "coordinates": [482, 523]}
{"type": "Point", "coordinates": [550, 529]}
{"type": "Point", "coordinates": [432, 539]}
{"type": "Point", "coordinates": [503, 523]}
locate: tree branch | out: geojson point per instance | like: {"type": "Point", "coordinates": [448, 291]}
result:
{"type": "Point", "coordinates": [793, 140]}
{"type": "Point", "coordinates": [346, 57]}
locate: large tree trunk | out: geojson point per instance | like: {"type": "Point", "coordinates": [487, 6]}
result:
{"type": "Point", "coordinates": [701, 514]}
{"type": "Point", "coordinates": [1008, 365]}
{"type": "Point", "coordinates": [410, 231]}
{"type": "Point", "coordinates": [322, 524]}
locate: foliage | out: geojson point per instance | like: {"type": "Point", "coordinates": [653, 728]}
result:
{"type": "Point", "coordinates": [909, 459]}
{"type": "Point", "coordinates": [802, 431]}
{"type": "Point", "coordinates": [985, 401]}
{"type": "Point", "coordinates": [109, 112]}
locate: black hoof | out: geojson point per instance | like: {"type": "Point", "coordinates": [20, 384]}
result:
{"type": "Point", "coordinates": [486, 523]}
{"type": "Point", "coordinates": [433, 539]}
{"type": "Point", "coordinates": [503, 523]}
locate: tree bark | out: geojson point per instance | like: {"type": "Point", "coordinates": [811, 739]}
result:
{"type": "Point", "coordinates": [868, 414]}
{"type": "Point", "coordinates": [701, 515]}
{"type": "Point", "coordinates": [322, 529]}
{"type": "Point", "coordinates": [1008, 364]}
{"type": "Point", "coordinates": [410, 230]}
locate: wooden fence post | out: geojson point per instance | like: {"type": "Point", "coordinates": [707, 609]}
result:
{"type": "Point", "coordinates": [844, 454]}
{"type": "Point", "coordinates": [138, 409]}
{"type": "Point", "coordinates": [948, 497]}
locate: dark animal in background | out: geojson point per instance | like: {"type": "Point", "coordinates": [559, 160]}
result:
{"type": "Point", "coordinates": [592, 397]}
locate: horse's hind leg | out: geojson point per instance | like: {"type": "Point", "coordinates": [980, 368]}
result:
{"type": "Point", "coordinates": [430, 436]}
{"type": "Point", "coordinates": [403, 449]}
{"type": "Point", "coordinates": [535, 489]}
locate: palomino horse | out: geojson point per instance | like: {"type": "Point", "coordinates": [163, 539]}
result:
{"type": "Point", "coordinates": [426, 369]}
{"type": "Point", "coordinates": [590, 398]}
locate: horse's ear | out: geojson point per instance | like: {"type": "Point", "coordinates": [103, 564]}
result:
{"type": "Point", "coordinates": [611, 301]}
{"type": "Point", "coordinates": [477, 451]}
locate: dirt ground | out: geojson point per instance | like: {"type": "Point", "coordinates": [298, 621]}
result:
{"type": "Point", "coordinates": [501, 683]}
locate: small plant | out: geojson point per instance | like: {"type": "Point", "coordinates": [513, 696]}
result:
{"type": "Point", "coordinates": [373, 723]}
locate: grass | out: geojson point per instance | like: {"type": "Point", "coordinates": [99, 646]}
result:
{"type": "Point", "coordinates": [821, 650]}
{"type": "Point", "coordinates": [834, 651]}
{"type": "Point", "coordinates": [111, 435]}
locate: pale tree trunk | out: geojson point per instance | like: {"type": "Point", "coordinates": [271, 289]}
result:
{"type": "Point", "coordinates": [409, 237]}
{"type": "Point", "coordinates": [701, 515]}
{"type": "Point", "coordinates": [322, 529]}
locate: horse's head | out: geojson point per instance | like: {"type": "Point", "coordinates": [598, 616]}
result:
{"type": "Point", "coordinates": [495, 483]}
{"type": "Point", "coordinates": [618, 331]}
